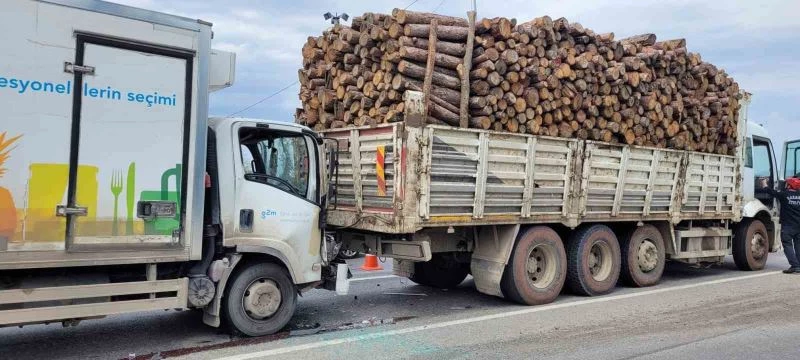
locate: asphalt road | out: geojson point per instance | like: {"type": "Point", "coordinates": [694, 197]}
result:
{"type": "Point", "coordinates": [710, 313]}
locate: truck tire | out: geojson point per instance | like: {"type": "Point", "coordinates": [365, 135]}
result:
{"type": "Point", "coordinates": [260, 300]}
{"type": "Point", "coordinates": [537, 269]}
{"type": "Point", "coordinates": [643, 256]}
{"type": "Point", "coordinates": [750, 245]}
{"type": "Point", "coordinates": [348, 254]}
{"type": "Point", "coordinates": [593, 260]}
{"type": "Point", "coordinates": [441, 272]}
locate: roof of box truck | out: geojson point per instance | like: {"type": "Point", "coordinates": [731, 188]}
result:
{"type": "Point", "coordinates": [134, 13]}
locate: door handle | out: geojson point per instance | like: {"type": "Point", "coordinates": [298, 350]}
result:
{"type": "Point", "coordinates": [64, 211]}
{"type": "Point", "coordinates": [246, 220]}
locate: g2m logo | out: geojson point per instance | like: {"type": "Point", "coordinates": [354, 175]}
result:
{"type": "Point", "coordinates": [267, 213]}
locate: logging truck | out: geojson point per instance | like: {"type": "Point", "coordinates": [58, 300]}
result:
{"type": "Point", "coordinates": [120, 194]}
{"type": "Point", "coordinates": [529, 215]}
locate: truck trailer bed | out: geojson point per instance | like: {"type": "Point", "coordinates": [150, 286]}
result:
{"type": "Point", "coordinates": [397, 179]}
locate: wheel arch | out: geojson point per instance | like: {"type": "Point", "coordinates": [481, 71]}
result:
{"type": "Point", "coordinates": [244, 255]}
{"type": "Point", "coordinates": [253, 253]}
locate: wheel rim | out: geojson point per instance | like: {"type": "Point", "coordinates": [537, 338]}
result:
{"type": "Point", "coordinates": [349, 253]}
{"type": "Point", "coordinates": [600, 261]}
{"type": "Point", "coordinates": [541, 266]}
{"type": "Point", "coordinates": [647, 256]}
{"type": "Point", "coordinates": [261, 299]}
{"type": "Point", "coordinates": [758, 246]}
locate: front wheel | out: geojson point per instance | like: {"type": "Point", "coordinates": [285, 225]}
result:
{"type": "Point", "coordinates": [261, 300]}
{"type": "Point", "coordinates": [643, 257]}
{"type": "Point", "coordinates": [750, 245]}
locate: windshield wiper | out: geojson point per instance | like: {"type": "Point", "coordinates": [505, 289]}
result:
{"type": "Point", "coordinates": [288, 185]}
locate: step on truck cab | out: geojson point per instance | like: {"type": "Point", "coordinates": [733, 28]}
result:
{"type": "Point", "coordinates": [526, 215]}
{"type": "Point", "coordinates": [118, 194]}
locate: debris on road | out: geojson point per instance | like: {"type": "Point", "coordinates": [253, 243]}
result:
{"type": "Point", "coordinates": [306, 329]}
{"type": "Point", "coordinates": [371, 322]}
{"type": "Point", "coordinates": [405, 294]}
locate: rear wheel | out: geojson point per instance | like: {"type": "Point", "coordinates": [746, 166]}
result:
{"type": "Point", "coordinates": [443, 271]}
{"type": "Point", "coordinates": [261, 300]}
{"type": "Point", "coordinates": [593, 262]}
{"type": "Point", "coordinates": [349, 254]}
{"type": "Point", "coordinates": [537, 269]}
{"type": "Point", "coordinates": [643, 256]}
{"type": "Point", "coordinates": [751, 245]}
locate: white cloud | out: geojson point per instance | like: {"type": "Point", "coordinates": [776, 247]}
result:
{"type": "Point", "coordinates": [752, 40]}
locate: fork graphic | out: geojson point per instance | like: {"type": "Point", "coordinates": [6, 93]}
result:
{"type": "Point", "coordinates": [116, 189]}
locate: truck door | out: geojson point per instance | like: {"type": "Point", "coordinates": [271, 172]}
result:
{"type": "Point", "coordinates": [278, 197]}
{"type": "Point", "coordinates": [791, 159]}
{"type": "Point", "coordinates": [764, 168]}
{"type": "Point", "coordinates": [128, 144]}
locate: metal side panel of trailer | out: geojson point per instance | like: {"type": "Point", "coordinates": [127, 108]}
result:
{"type": "Point", "coordinates": [443, 176]}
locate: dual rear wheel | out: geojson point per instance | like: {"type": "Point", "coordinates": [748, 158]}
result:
{"type": "Point", "coordinates": [589, 263]}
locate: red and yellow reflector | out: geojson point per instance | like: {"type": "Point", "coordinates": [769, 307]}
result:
{"type": "Point", "coordinates": [380, 159]}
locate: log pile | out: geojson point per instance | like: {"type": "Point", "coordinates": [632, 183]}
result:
{"type": "Point", "coordinates": [355, 76]}
{"type": "Point", "coordinates": [547, 77]}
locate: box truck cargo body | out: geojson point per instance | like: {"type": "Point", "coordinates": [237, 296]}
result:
{"type": "Point", "coordinates": [104, 114]}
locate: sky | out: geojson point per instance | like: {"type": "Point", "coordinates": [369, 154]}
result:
{"type": "Point", "coordinates": [754, 41]}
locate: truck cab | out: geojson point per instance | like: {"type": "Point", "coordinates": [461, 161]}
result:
{"type": "Point", "coordinates": [270, 190]}
{"type": "Point", "coordinates": [267, 197]}
{"type": "Point", "coordinates": [759, 164]}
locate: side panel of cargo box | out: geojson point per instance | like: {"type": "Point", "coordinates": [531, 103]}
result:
{"type": "Point", "coordinates": [100, 119]}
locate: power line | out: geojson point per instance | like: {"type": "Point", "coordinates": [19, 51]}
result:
{"type": "Point", "coordinates": [266, 98]}
{"type": "Point", "coordinates": [437, 6]}
{"type": "Point", "coordinates": [409, 5]}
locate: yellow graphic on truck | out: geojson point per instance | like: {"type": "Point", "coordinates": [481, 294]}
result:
{"type": "Point", "coordinates": [8, 211]}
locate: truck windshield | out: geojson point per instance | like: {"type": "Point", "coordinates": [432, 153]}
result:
{"type": "Point", "coordinates": [276, 158]}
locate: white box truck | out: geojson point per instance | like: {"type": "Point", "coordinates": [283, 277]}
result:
{"type": "Point", "coordinates": [117, 194]}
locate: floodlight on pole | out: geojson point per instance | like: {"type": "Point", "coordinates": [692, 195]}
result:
{"type": "Point", "coordinates": [334, 18]}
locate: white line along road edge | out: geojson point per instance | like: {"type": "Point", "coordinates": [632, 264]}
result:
{"type": "Point", "coordinates": [373, 278]}
{"type": "Point", "coordinates": [382, 334]}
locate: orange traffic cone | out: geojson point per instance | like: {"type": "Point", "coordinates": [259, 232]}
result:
{"type": "Point", "coordinates": [371, 263]}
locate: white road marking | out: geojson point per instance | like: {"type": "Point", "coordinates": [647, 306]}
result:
{"type": "Point", "coordinates": [382, 334]}
{"type": "Point", "coordinates": [374, 277]}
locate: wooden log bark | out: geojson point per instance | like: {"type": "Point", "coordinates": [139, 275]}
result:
{"type": "Point", "coordinates": [490, 54]}
{"type": "Point", "coordinates": [467, 66]}
{"type": "Point", "coordinates": [444, 47]}
{"type": "Point", "coordinates": [431, 62]}
{"type": "Point", "coordinates": [400, 82]}
{"type": "Point", "coordinates": [419, 55]}
{"type": "Point", "coordinates": [642, 39]}
{"type": "Point", "coordinates": [413, 17]}
{"type": "Point", "coordinates": [451, 33]}
{"type": "Point", "coordinates": [418, 72]}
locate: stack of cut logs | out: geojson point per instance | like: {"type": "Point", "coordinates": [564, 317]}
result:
{"type": "Point", "coordinates": [546, 77]}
